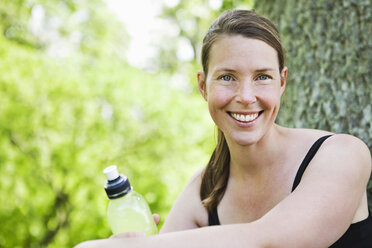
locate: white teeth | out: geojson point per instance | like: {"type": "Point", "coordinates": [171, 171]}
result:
{"type": "Point", "coordinates": [244, 118]}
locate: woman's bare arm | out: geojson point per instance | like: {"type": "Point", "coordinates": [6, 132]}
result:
{"type": "Point", "coordinates": [316, 214]}
{"type": "Point", "coordinates": [239, 235]}
{"type": "Point", "coordinates": [323, 205]}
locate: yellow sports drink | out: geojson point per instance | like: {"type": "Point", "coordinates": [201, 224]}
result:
{"type": "Point", "coordinates": [127, 210]}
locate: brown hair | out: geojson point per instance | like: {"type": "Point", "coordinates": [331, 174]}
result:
{"type": "Point", "coordinates": [232, 22]}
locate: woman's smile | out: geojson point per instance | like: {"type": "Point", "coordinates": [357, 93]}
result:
{"type": "Point", "coordinates": [245, 119]}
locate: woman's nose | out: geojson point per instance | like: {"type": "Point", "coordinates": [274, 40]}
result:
{"type": "Point", "coordinates": [246, 94]}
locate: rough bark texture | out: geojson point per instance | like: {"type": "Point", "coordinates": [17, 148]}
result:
{"type": "Point", "coordinates": [329, 55]}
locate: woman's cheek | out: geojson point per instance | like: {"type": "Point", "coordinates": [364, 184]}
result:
{"type": "Point", "coordinates": [219, 96]}
{"type": "Point", "coordinates": [269, 96]}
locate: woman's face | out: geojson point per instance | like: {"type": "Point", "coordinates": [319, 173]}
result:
{"type": "Point", "coordinates": [243, 87]}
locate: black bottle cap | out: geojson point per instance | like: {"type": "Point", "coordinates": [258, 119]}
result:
{"type": "Point", "coordinates": [116, 185]}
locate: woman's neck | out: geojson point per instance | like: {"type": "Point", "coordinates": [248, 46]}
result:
{"type": "Point", "coordinates": [261, 158]}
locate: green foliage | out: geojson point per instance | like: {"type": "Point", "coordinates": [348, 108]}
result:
{"type": "Point", "coordinates": [84, 26]}
{"type": "Point", "coordinates": [329, 58]}
{"type": "Point", "coordinates": [193, 19]}
{"type": "Point", "coordinates": [63, 121]}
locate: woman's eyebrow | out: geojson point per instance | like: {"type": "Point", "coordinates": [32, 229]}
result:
{"type": "Point", "coordinates": [259, 70]}
{"type": "Point", "coordinates": [264, 69]}
{"type": "Point", "coordinates": [225, 70]}
{"type": "Point", "coordinates": [256, 70]}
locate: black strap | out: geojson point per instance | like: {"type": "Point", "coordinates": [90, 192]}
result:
{"type": "Point", "coordinates": [213, 219]}
{"type": "Point", "coordinates": [309, 156]}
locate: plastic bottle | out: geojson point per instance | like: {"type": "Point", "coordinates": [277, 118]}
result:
{"type": "Point", "coordinates": [127, 210]}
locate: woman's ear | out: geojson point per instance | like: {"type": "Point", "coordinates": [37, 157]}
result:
{"type": "Point", "coordinates": [201, 84]}
{"type": "Point", "coordinates": [283, 79]}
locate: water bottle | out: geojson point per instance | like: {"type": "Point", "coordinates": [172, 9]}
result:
{"type": "Point", "coordinates": [127, 210]}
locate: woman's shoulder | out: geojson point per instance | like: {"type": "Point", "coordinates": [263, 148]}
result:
{"type": "Point", "coordinates": [335, 147]}
{"type": "Point", "coordinates": [343, 140]}
{"type": "Point", "coordinates": [304, 135]}
{"type": "Point", "coordinates": [335, 144]}
{"type": "Point", "coordinates": [349, 146]}
{"type": "Point", "coordinates": [196, 178]}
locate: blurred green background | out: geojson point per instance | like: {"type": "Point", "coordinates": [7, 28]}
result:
{"type": "Point", "coordinates": [75, 97]}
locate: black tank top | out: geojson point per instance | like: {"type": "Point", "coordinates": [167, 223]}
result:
{"type": "Point", "coordinates": [358, 235]}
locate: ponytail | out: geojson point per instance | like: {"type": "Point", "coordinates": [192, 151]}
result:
{"type": "Point", "coordinates": [216, 175]}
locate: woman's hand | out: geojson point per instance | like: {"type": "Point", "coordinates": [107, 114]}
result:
{"type": "Point", "coordinates": [102, 243]}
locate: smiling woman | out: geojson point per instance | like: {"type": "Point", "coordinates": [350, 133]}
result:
{"type": "Point", "coordinates": [265, 185]}
{"type": "Point", "coordinates": [246, 91]}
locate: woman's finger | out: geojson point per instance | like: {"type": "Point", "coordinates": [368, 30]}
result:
{"type": "Point", "coordinates": [156, 218]}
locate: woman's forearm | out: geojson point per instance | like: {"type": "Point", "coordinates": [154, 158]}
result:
{"type": "Point", "coordinates": [240, 235]}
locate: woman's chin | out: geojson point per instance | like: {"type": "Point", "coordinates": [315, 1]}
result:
{"type": "Point", "coordinates": [244, 140]}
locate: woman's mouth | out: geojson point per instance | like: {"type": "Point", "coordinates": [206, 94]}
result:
{"type": "Point", "coordinates": [245, 118]}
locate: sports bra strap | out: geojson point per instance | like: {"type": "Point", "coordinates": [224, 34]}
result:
{"type": "Point", "coordinates": [309, 156]}
{"type": "Point", "coordinates": [213, 219]}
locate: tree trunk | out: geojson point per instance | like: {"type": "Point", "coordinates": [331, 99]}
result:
{"type": "Point", "coordinates": [329, 55]}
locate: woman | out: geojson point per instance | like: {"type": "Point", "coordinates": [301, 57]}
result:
{"type": "Point", "coordinates": [265, 185]}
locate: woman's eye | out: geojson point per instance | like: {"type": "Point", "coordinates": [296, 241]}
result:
{"type": "Point", "coordinates": [226, 78]}
{"type": "Point", "coordinates": [263, 77]}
